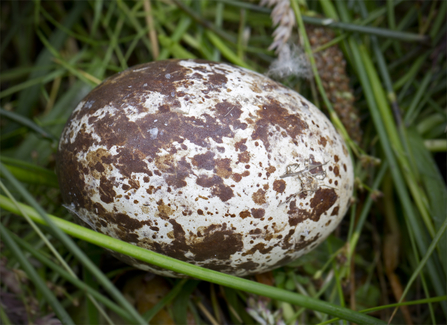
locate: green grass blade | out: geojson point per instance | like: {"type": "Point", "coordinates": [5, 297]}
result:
{"type": "Point", "coordinates": [114, 36]}
{"type": "Point", "coordinates": [226, 51]}
{"type": "Point", "coordinates": [90, 80]}
{"type": "Point", "coordinates": [57, 117]}
{"type": "Point", "coordinates": [165, 300]}
{"type": "Point", "coordinates": [403, 157]}
{"type": "Point", "coordinates": [376, 31]}
{"type": "Point", "coordinates": [208, 25]}
{"type": "Point", "coordinates": [363, 62]}
{"type": "Point", "coordinates": [366, 208]}
{"type": "Point", "coordinates": [218, 20]}
{"type": "Point", "coordinates": [69, 32]}
{"type": "Point", "coordinates": [423, 262]}
{"type": "Point", "coordinates": [28, 123]}
{"type": "Point", "coordinates": [57, 39]}
{"type": "Point", "coordinates": [434, 186]}
{"type": "Point", "coordinates": [428, 164]}
{"type": "Point", "coordinates": [71, 245]}
{"type": "Point", "coordinates": [411, 216]}
{"type": "Point", "coordinates": [34, 277]}
{"type": "Point", "coordinates": [180, 304]}
{"type": "Point", "coordinates": [399, 304]}
{"type": "Point", "coordinates": [29, 173]}
{"type": "Point", "coordinates": [4, 317]}
{"type": "Point", "coordinates": [192, 270]}
{"type": "Point", "coordinates": [411, 113]}
{"type": "Point", "coordinates": [30, 83]}
{"type": "Point", "coordinates": [135, 23]}
{"type": "Point", "coordinates": [82, 285]}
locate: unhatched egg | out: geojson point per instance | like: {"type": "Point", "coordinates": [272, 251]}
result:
{"type": "Point", "coordinates": [205, 162]}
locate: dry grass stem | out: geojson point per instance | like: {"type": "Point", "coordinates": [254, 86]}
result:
{"type": "Point", "coordinates": [152, 33]}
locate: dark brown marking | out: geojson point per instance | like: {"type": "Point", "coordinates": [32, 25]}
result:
{"type": "Point", "coordinates": [270, 170]}
{"type": "Point", "coordinates": [272, 113]}
{"type": "Point", "coordinates": [106, 191]}
{"type": "Point", "coordinates": [322, 200]}
{"type": "Point", "coordinates": [206, 181]}
{"type": "Point", "coordinates": [279, 186]}
{"type": "Point", "coordinates": [223, 192]}
{"type": "Point", "coordinates": [322, 141]}
{"type": "Point", "coordinates": [99, 167]}
{"type": "Point", "coordinates": [218, 242]}
{"type": "Point", "coordinates": [223, 168]}
{"type": "Point", "coordinates": [244, 214]}
{"type": "Point", "coordinates": [305, 243]}
{"type": "Point", "coordinates": [260, 247]}
{"type": "Point", "coordinates": [248, 266]}
{"type": "Point", "coordinates": [244, 157]}
{"type": "Point", "coordinates": [175, 175]}
{"type": "Point", "coordinates": [317, 166]}
{"type": "Point", "coordinates": [259, 197]}
{"type": "Point", "coordinates": [99, 209]}
{"type": "Point", "coordinates": [240, 145]}
{"type": "Point", "coordinates": [164, 211]}
{"type": "Point", "coordinates": [128, 223]}
{"type": "Point", "coordinates": [286, 244]}
{"type": "Point", "coordinates": [337, 171]}
{"type": "Point", "coordinates": [237, 177]}
{"type": "Point", "coordinates": [204, 161]}
{"type": "Point", "coordinates": [229, 114]}
{"type": "Point", "coordinates": [258, 213]}
{"type": "Point", "coordinates": [256, 231]}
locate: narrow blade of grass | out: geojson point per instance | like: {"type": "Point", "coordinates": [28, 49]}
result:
{"type": "Point", "coordinates": [226, 51]}
{"type": "Point", "coordinates": [28, 123]}
{"type": "Point", "coordinates": [82, 285]}
{"type": "Point", "coordinates": [180, 304]}
{"type": "Point", "coordinates": [57, 39]}
{"type": "Point", "coordinates": [381, 32]}
{"type": "Point", "coordinates": [29, 173]}
{"type": "Point", "coordinates": [192, 270]}
{"type": "Point", "coordinates": [435, 187]}
{"type": "Point", "coordinates": [72, 246]}
{"type": "Point", "coordinates": [35, 278]}
{"type": "Point", "coordinates": [165, 300]}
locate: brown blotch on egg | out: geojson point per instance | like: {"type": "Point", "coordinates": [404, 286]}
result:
{"type": "Point", "coordinates": [259, 197]}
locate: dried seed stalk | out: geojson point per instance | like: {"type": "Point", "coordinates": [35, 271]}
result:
{"type": "Point", "coordinates": [331, 67]}
{"type": "Point", "coordinates": [284, 20]}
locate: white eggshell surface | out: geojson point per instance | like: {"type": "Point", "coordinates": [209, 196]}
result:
{"type": "Point", "coordinates": [205, 162]}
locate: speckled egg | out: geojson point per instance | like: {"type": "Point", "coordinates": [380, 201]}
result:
{"type": "Point", "coordinates": [205, 162]}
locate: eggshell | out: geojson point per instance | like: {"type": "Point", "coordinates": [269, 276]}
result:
{"type": "Point", "coordinates": [205, 162]}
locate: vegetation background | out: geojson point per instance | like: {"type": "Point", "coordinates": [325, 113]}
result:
{"type": "Point", "coordinates": [377, 68]}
